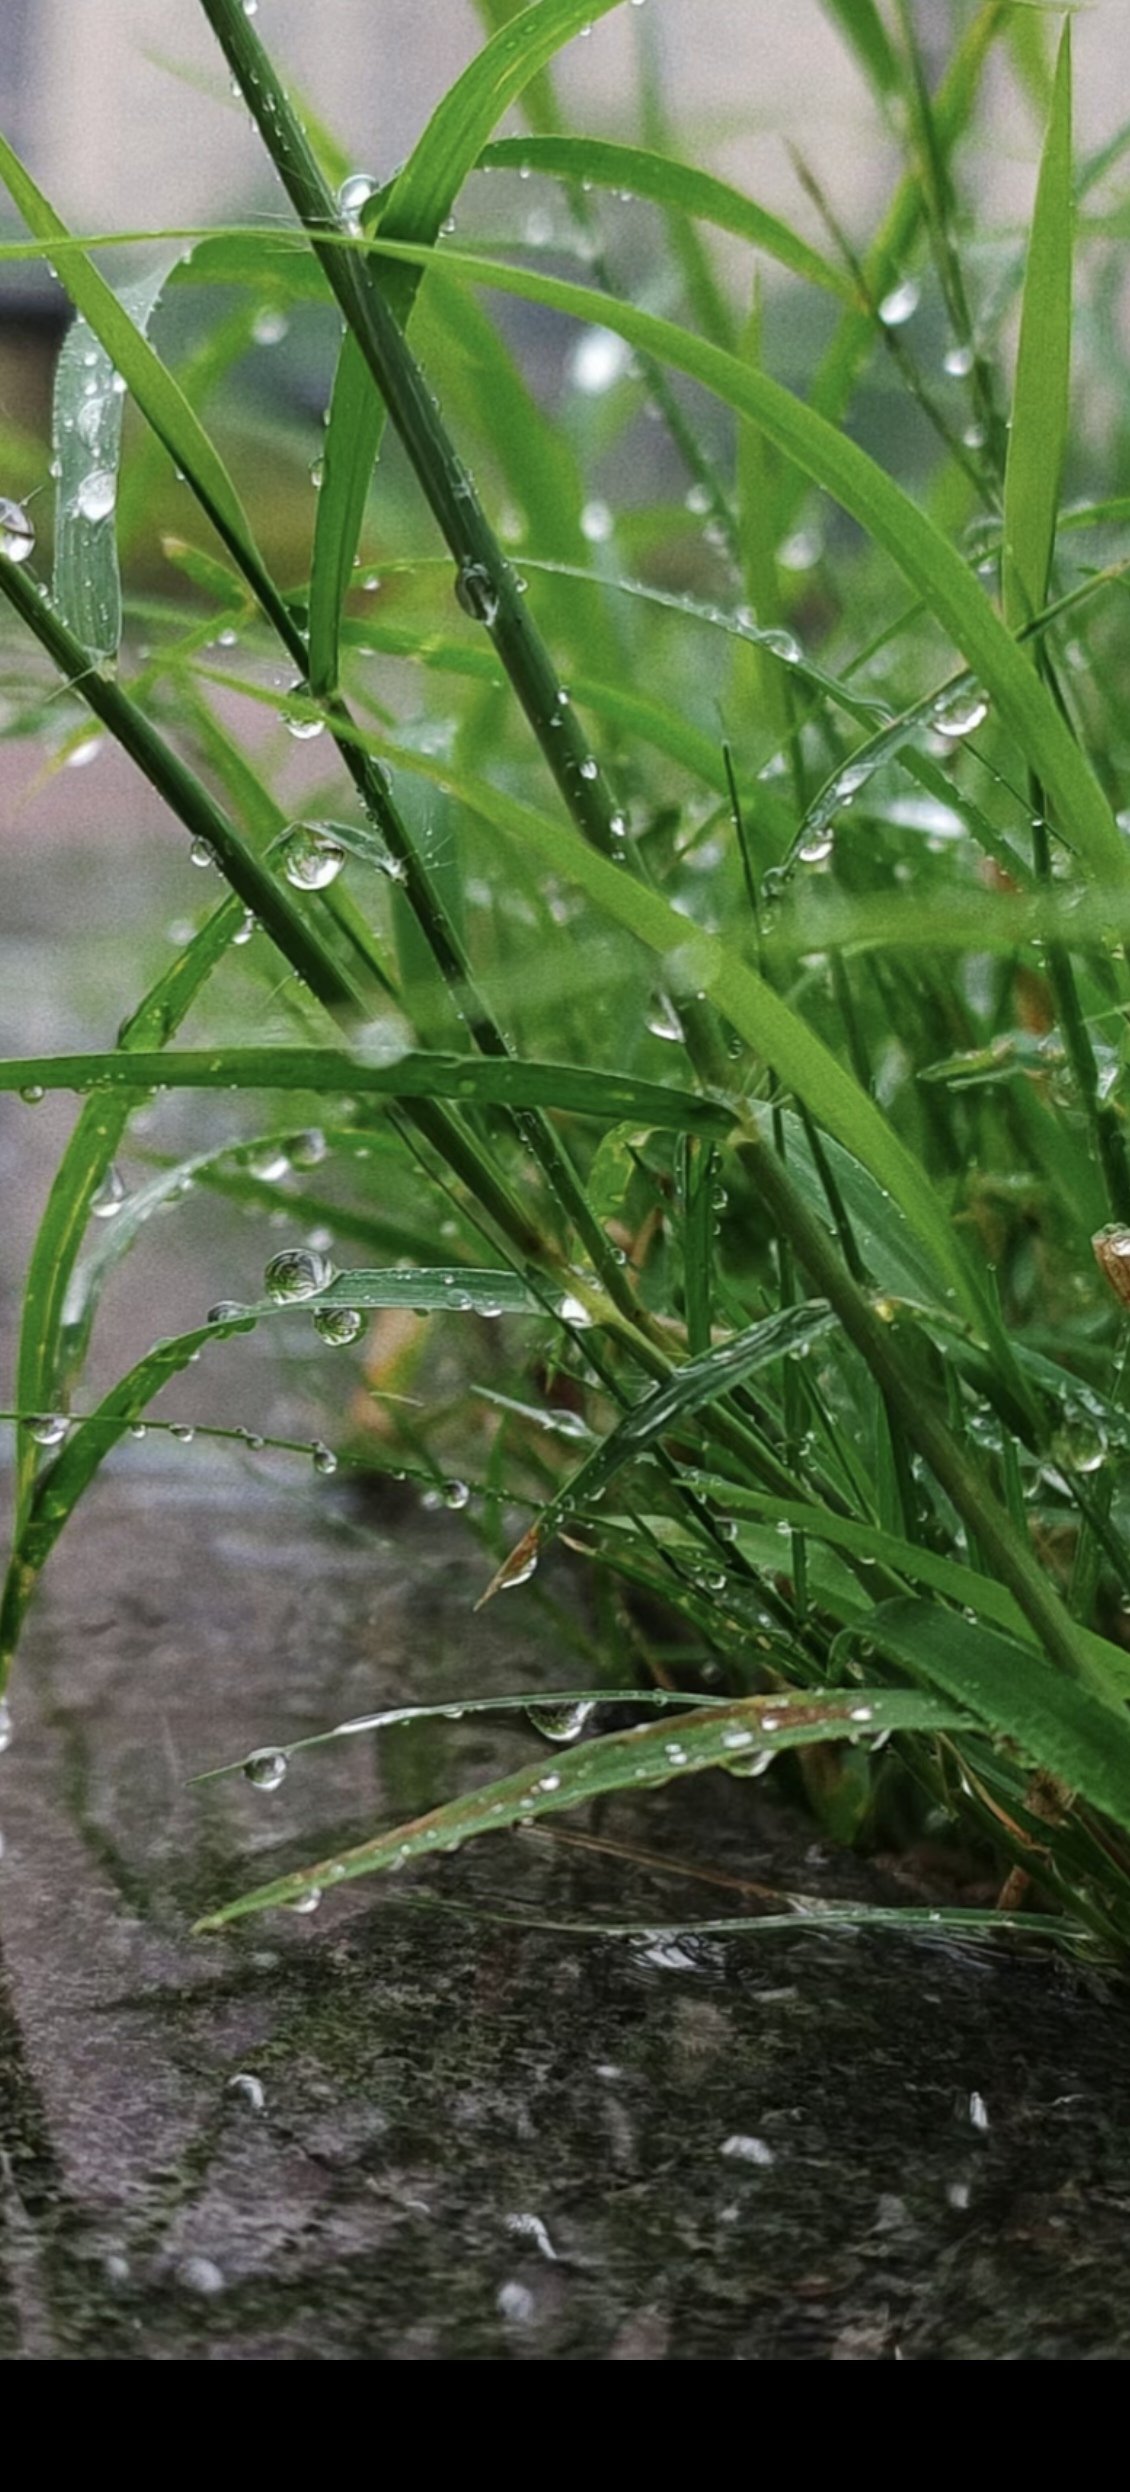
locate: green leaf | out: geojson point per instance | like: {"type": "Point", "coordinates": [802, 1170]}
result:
{"type": "Point", "coordinates": [697, 1383]}
{"type": "Point", "coordinates": [862, 27]}
{"type": "Point", "coordinates": [1056, 1723]}
{"type": "Point", "coordinates": [1043, 372]}
{"type": "Point", "coordinates": [661, 1752]}
{"type": "Point", "coordinates": [473, 1081]}
{"type": "Point", "coordinates": [670, 184]}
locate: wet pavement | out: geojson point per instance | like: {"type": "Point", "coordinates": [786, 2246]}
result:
{"type": "Point", "coordinates": [395, 2132]}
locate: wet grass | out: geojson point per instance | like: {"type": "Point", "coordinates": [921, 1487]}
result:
{"type": "Point", "coordinates": [695, 969]}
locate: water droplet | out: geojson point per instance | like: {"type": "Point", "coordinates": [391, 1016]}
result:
{"type": "Point", "coordinates": [748, 2150]}
{"type": "Point", "coordinates": [354, 196]}
{"type": "Point", "coordinates": [476, 593]}
{"type": "Point", "coordinates": [50, 1429]}
{"type": "Point", "coordinates": [97, 494]}
{"type": "Point", "coordinates": [325, 1462]}
{"type": "Point", "coordinates": [590, 769]}
{"type": "Point", "coordinates": [978, 2112]}
{"type": "Point", "coordinates": [182, 1433]}
{"type": "Point", "coordinates": [85, 750]}
{"type": "Point", "coordinates": [958, 362]}
{"type": "Point", "coordinates": [266, 1768]}
{"type": "Point", "coordinates": [307, 1149]}
{"type": "Point", "coordinates": [338, 1326]}
{"type": "Point", "coordinates": [312, 858]}
{"type": "Point", "coordinates": [32, 1093]}
{"type": "Point", "coordinates": [248, 2089]}
{"type": "Point", "coordinates": [563, 1724]}
{"type": "Point", "coordinates": [308, 1902]}
{"type": "Point", "coordinates": [572, 1312]}
{"type": "Point", "coordinates": [959, 714]}
{"type": "Point", "coordinates": [268, 1163]}
{"type": "Point", "coordinates": [224, 1311]}
{"type": "Point", "coordinates": [598, 360]}
{"type": "Point", "coordinates": [818, 847]}
{"type": "Point", "coordinates": [899, 305]}
{"type": "Point", "coordinates": [299, 1272]}
{"type": "Point", "coordinates": [516, 2303]}
{"type": "Point", "coordinates": [270, 327]}
{"type": "Point", "coordinates": [302, 729]}
{"type": "Point", "coordinates": [5, 1725]}
{"type": "Point", "coordinates": [17, 533]}
{"type": "Point", "coordinates": [202, 853]}
{"type": "Point", "coordinates": [596, 523]}
{"type": "Point", "coordinates": [110, 1196]}
{"type": "Point", "coordinates": [456, 1495]}
{"type": "Point", "coordinates": [200, 2275]}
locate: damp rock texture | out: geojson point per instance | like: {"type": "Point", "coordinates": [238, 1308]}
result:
{"type": "Point", "coordinates": [389, 2131]}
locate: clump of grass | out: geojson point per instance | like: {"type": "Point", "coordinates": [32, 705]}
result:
{"type": "Point", "coordinates": [710, 969]}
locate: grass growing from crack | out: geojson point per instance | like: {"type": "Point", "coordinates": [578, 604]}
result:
{"type": "Point", "coordinates": [705, 957]}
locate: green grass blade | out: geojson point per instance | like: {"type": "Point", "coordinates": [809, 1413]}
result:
{"type": "Point", "coordinates": [640, 1759]}
{"type": "Point", "coordinates": [471, 1081]}
{"type": "Point", "coordinates": [1038, 438]}
{"type": "Point", "coordinates": [671, 184]}
{"type": "Point", "coordinates": [40, 1366]}
{"type": "Point", "coordinates": [927, 560]}
{"type": "Point", "coordinates": [697, 1383]}
{"type": "Point", "coordinates": [86, 434]}
{"type": "Point", "coordinates": [1058, 1725]}
{"type": "Point", "coordinates": [423, 196]}
{"type": "Point", "coordinates": [862, 28]}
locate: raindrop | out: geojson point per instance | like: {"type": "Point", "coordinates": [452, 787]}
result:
{"type": "Point", "coordinates": [325, 1462]}
{"type": "Point", "coordinates": [224, 1311]}
{"type": "Point", "coordinates": [202, 853]}
{"type": "Point", "coordinates": [5, 1725]}
{"type": "Point", "coordinates": [248, 2089]}
{"type": "Point", "coordinates": [17, 534]}
{"type": "Point", "coordinates": [299, 1272]}
{"type": "Point", "coordinates": [269, 1163]}
{"type": "Point", "coordinates": [818, 847]}
{"type": "Point", "coordinates": [50, 1429]}
{"type": "Point", "coordinates": [599, 359]}
{"type": "Point", "coordinates": [32, 1093]}
{"type": "Point", "coordinates": [303, 729]}
{"type": "Point", "coordinates": [899, 305]}
{"type": "Point", "coordinates": [516, 2303]}
{"type": "Point", "coordinates": [182, 1433]}
{"type": "Point", "coordinates": [476, 593]}
{"type": "Point", "coordinates": [596, 523]}
{"type": "Point", "coordinates": [959, 714]}
{"type": "Point", "coordinates": [562, 1724]}
{"type": "Point", "coordinates": [97, 494]}
{"type": "Point", "coordinates": [270, 327]}
{"type": "Point", "coordinates": [308, 1902]}
{"type": "Point", "coordinates": [958, 362]}
{"type": "Point", "coordinates": [338, 1326]}
{"type": "Point", "coordinates": [307, 1149]}
{"type": "Point", "coordinates": [748, 2150]}
{"type": "Point", "coordinates": [978, 2113]}
{"type": "Point", "coordinates": [200, 2275]}
{"type": "Point", "coordinates": [312, 859]}
{"type": "Point", "coordinates": [110, 1196]}
{"type": "Point", "coordinates": [245, 929]}
{"type": "Point", "coordinates": [266, 1769]}
{"type": "Point", "coordinates": [456, 1495]}
{"type": "Point", "coordinates": [572, 1312]}
{"type": "Point", "coordinates": [354, 196]}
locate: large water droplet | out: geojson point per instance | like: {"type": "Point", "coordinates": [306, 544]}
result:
{"type": "Point", "coordinates": [958, 362]}
{"type": "Point", "coordinates": [270, 327]}
{"type": "Point", "coordinates": [17, 534]}
{"type": "Point", "coordinates": [563, 1724]}
{"type": "Point", "coordinates": [599, 359]}
{"type": "Point", "coordinates": [299, 1272]}
{"type": "Point", "coordinates": [97, 494]}
{"type": "Point", "coordinates": [312, 858]}
{"type": "Point", "coordinates": [200, 2275]}
{"type": "Point", "coordinates": [338, 1326]}
{"type": "Point", "coordinates": [308, 1902]}
{"type": "Point", "coordinates": [110, 1196]}
{"type": "Point", "coordinates": [246, 2088]}
{"type": "Point", "coordinates": [325, 1461]}
{"type": "Point", "coordinates": [959, 714]}
{"type": "Point", "coordinates": [456, 1495]}
{"type": "Point", "coordinates": [476, 592]}
{"type": "Point", "coordinates": [50, 1429]}
{"type": "Point", "coordinates": [899, 305]}
{"type": "Point", "coordinates": [266, 1769]}
{"type": "Point", "coordinates": [354, 195]}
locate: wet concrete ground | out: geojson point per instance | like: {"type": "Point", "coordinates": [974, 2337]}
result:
{"type": "Point", "coordinates": [396, 2133]}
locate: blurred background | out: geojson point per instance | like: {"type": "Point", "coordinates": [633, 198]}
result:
{"type": "Point", "coordinates": [123, 110]}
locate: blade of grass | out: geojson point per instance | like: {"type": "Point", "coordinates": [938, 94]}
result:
{"type": "Point", "coordinates": [642, 1759]}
